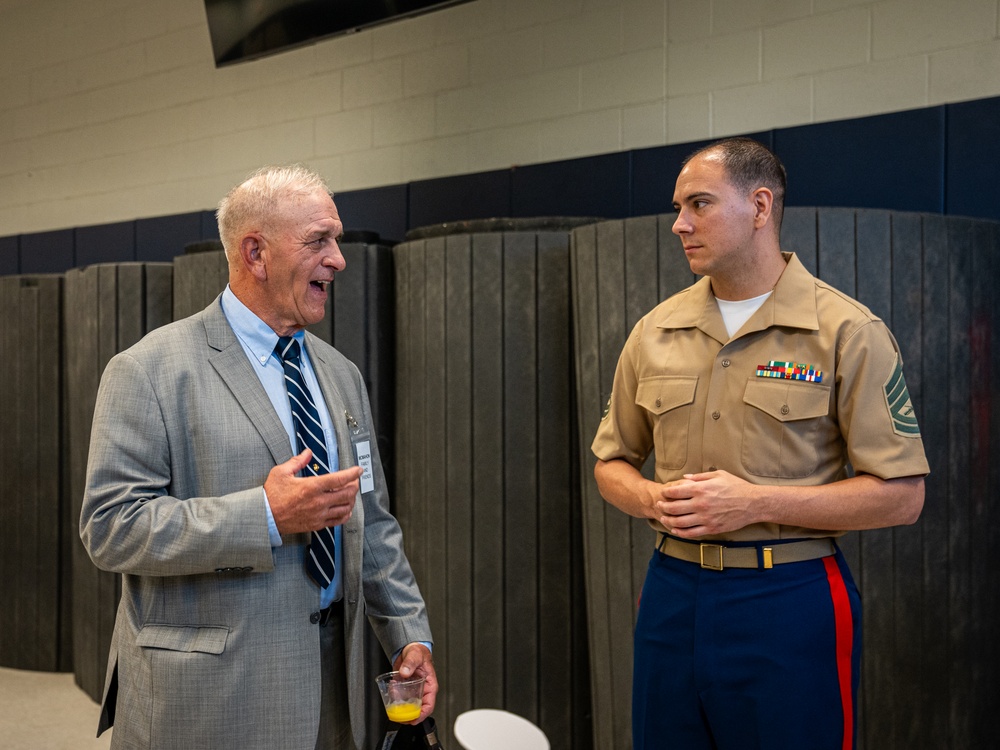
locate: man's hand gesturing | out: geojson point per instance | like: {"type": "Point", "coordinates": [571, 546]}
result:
{"type": "Point", "coordinates": [301, 504]}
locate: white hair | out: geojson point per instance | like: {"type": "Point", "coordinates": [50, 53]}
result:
{"type": "Point", "coordinates": [256, 203]}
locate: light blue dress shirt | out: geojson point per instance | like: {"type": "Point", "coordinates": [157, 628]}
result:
{"type": "Point", "coordinates": [258, 342]}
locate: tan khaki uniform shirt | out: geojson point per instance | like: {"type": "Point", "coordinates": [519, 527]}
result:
{"type": "Point", "coordinates": [686, 391]}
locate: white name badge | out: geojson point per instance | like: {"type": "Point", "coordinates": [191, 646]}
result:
{"type": "Point", "coordinates": [363, 453]}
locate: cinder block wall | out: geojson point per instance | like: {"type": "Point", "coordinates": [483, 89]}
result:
{"type": "Point", "coordinates": [113, 109]}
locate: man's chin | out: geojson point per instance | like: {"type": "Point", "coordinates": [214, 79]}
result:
{"type": "Point", "coordinates": [316, 317]}
{"type": "Point", "coordinates": [697, 267]}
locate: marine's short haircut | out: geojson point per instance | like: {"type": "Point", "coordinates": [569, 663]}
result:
{"type": "Point", "coordinates": [749, 165]}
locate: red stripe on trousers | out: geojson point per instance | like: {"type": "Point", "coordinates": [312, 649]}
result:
{"type": "Point", "coordinates": [845, 644]}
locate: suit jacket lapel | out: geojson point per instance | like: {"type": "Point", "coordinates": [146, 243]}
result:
{"type": "Point", "coordinates": [231, 362]}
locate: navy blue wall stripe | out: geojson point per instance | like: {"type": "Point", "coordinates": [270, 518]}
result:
{"type": "Point", "coordinates": [381, 209]}
{"type": "Point", "coordinates": [888, 161]}
{"type": "Point", "coordinates": [596, 186]}
{"type": "Point", "coordinates": [10, 262]}
{"type": "Point", "coordinates": [163, 238]}
{"type": "Point", "coordinates": [972, 158]}
{"type": "Point", "coordinates": [485, 195]}
{"type": "Point", "coordinates": [47, 252]}
{"type": "Point", "coordinates": [105, 243]}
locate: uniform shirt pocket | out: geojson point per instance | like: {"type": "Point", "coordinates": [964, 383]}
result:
{"type": "Point", "coordinates": [668, 400]}
{"type": "Point", "coordinates": [784, 427]}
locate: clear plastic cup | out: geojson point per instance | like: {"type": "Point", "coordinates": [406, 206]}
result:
{"type": "Point", "coordinates": [401, 696]}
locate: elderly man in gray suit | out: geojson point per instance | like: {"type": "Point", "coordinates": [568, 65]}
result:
{"type": "Point", "coordinates": [202, 494]}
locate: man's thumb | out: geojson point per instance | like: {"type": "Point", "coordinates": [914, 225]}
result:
{"type": "Point", "coordinates": [297, 463]}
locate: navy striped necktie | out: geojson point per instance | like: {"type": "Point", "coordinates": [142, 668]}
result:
{"type": "Point", "coordinates": [308, 434]}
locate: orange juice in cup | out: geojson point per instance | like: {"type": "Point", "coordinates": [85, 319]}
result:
{"type": "Point", "coordinates": [401, 696]}
{"type": "Point", "coordinates": [402, 712]}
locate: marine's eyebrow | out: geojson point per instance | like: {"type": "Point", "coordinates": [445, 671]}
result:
{"type": "Point", "coordinates": [691, 197]}
{"type": "Point", "coordinates": [697, 195]}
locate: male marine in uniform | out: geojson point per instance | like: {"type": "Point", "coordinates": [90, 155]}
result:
{"type": "Point", "coordinates": [755, 389]}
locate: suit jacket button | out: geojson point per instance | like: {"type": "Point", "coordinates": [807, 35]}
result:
{"type": "Point", "coordinates": [247, 570]}
{"type": "Point", "coordinates": [314, 618]}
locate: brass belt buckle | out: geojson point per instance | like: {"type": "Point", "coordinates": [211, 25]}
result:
{"type": "Point", "coordinates": [715, 553]}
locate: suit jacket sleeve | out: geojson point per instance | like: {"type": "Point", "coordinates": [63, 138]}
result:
{"type": "Point", "coordinates": [137, 516]}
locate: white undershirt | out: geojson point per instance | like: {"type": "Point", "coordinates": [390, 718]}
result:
{"type": "Point", "coordinates": [735, 314]}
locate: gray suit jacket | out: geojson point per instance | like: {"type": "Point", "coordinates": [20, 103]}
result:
{"type": "Point", "coordinates": [213, 644]}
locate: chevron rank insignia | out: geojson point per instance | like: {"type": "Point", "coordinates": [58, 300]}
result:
{"type": "Point", "coordinates": [789, 371]}
{"type": "Point", "coordinates": [897, 400]}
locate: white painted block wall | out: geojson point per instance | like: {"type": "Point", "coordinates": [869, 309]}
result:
{"type": "Point", "coordinates": [113, 109]}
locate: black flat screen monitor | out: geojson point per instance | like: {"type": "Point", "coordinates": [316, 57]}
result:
{"type": "Point", "coordinates": [248, 29]}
